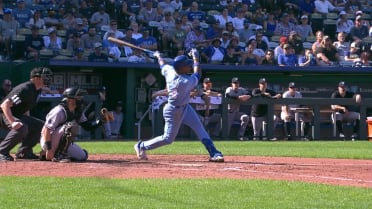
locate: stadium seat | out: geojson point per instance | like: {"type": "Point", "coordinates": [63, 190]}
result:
{"type": "Point", "coordinates": [204, 25]}
{"type": "Point", "coordinates": [344, 63]}
{"type": "Point", "coordinates": [317, 21]}
{"type": "Point", "coordinates": [311, 39]}
{"type": "Point", "coordinates": [307, 45]}
{"type": "Point", "coordinates": [43, 32]}
{"type": "Point", "coordinates": [273, 44]}
{"type": "Point", "coordinates": [332, 15]}
{"type": "Point", "coordinates": [61, 33]}
{"type": "Point", "coordinates": [368, 40]}
{"type": "Point", "coordinates": [24, 31]}
{"type": "Point", "coordinates": [65, 52]}
{"type": "Point", "coordinates": [275, 38]}
{"type": "Point", "coordinates": [213, 12]}
{"type": "Point", "coordinates": [105, 28]}
{"type": "Point", "coordinates": [242, 44]}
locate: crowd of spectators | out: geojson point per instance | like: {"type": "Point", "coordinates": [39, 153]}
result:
{"type": "Point", "coordinates": [238, 32]}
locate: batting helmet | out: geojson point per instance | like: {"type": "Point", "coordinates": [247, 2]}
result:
{"type": "Point", "coordinates": [74, 93]}
{"type": "Point", "coordinates": [44, 73]}
{"type": "Point", "coordinates": [181, 61]}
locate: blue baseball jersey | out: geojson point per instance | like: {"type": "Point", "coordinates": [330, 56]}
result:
{"type": "Point", "coordinates": [179, 86]}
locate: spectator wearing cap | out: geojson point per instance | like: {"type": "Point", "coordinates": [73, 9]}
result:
{"type": "Point", "coordinates": [352, 6]}
{"type": "Point", "coordinates": [304, 30]}
{"type": "Point", "coordinates": [195, 13]}
{"type": "Point", "coordinates": [196, 39]}
{"type": "Point", "coordinates": [343, 23]}
{"type": "Point", "coordinates": [223, 18]}
{"type": "Point", "coordinates": [327, 53]}
{"type": "Point", "coordinates": [209, 116]}
{"type": "Point", "coordinates": [75, 42]}
{"type": "Point", "coordinates": [295, 41]}
{"type": "Point", "coordinates": [166, 27]}
{"type": "Point", "coordinates": [148, 13]}
{"type": "Point", "coordinates": [284, 27]}
{"type": "Point", "coordinates": [100, 17]}
{"type": "Point", "coordinates": [214, 53]}
{"type": "Point", "coordinates": [246, 32]}
{"type": "Point", "coordinates": [97, 55]}
{"type": "Point", "coordinates": [147, 41]}
{"type": "Point", "coordinates": [21, 13]}
{"type": "Point", "coordinates": [355, 51]}
{"type": "Point", "coordinates": [33, 44]}
{"type": "Point", "coordinates": [51, 20]}
{"type": "Point", "coordinates": [214, 31]}
{"type": "Point", "coordinates": [341, 45]}
{"type": "Point", "coordinates": [77, 27]}
{"type": "Point", "coordinates": [8, 28]}
{"type": "Point", "coordinates": [36, 19]}
{"type": "Point", "coordinates": [364, 21]}
{"type": "Point", "coordinates": [358, 31]}
{"type": "Point", "coordinates": [90, 38]}
{"type": "Point", "coordinates": [270, 24]}
{"type": "Point", "coordinates": [79, 55]}
{"type": "Point", "coordinates": [323, 6]}
{"type": "Point", "coordinates": [309, 59]}
{"type": "Point", "coordinates": [279, 49]}
{"type": "Point", "coordinates": [288, 58]}
{"type": "Point", "coordinates": [178, 38]}
{"type": "Point", "coordinates": [259, 111]}
{"type": "Point", "coordinates": [346, 113]}
{"type": "Point", "coordinates": [52, 41]}
{"type": "Point", "coordinates": [288, 114]}
{"type": "Point", "coordinates": [237, 95]}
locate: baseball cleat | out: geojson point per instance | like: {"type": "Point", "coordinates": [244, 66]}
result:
{"type": "Point", "coordinates": [218, 157]}
{"type": "Point", "coordinates": [4, 158]}
{"type": "Point", "coordinates": [141, 154]}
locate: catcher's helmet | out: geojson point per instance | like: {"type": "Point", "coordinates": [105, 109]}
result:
{"type": "Point", "coordinates": [74, 93]}
{"type": "Point", "coordinates": [181, 61]}
{"type": "Point", "coordinates": [44, 73]}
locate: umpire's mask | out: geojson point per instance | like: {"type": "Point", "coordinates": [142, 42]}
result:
{"type": "Point", "coordinates": [44, 73]}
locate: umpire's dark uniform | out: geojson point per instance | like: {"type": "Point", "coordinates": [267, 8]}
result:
{"type": "Point", "coordinates": [22, 98]}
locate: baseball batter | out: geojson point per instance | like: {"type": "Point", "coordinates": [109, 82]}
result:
{"type": "Point", "coordinates": [178, 111]}
{"type": "Point", "coordinates": [58, 130]}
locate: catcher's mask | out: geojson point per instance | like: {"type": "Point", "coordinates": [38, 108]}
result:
{"type": "Point", "coordinates": [74, 93]}
{"type": "Point", "coordinates": [44, 73]}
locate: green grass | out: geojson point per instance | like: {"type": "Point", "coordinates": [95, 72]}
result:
{"type": "Point", "coordinates": [48, 192]}
{"type": "Point", "coordinates": [313, 149]}
{"type": "Point", "coordinates": [53, 192]}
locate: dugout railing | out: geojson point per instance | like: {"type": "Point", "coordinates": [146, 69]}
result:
{"type": "Point", "coordinates": [317, 104]}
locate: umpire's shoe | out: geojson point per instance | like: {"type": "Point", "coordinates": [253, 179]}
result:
{"type": "Point", "coordinates": [26, 156]}
{"type": "Point", "coordinates": [6, 157]}
{"type": "Point", "coordinates": [218, 158]}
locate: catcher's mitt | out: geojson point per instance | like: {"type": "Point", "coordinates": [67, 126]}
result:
{"type": "Point", "coordinates": [106, 115]}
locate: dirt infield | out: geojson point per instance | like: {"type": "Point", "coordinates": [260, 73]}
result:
{"type": "Point", "coordinates": [326, 171]}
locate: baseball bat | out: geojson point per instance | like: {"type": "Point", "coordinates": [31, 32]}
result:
{"type": "Point", "coordinates": [121, 42]}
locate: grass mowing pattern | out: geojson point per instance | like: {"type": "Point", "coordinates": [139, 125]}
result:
{"type": "Point", "coordinates": [81, 193]}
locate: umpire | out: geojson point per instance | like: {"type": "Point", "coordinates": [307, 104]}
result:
{"type": "Point", "coordinates": [14, 116]}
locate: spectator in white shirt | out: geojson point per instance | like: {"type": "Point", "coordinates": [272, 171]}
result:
{"type": "Point", "coordinates": [323, 6]}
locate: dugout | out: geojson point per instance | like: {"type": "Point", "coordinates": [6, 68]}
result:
{"type": "Point", "coordinates": [133, 83]}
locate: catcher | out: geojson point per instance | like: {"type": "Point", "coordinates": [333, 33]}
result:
{"type": "Point", "coordinates": [60, 127]}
